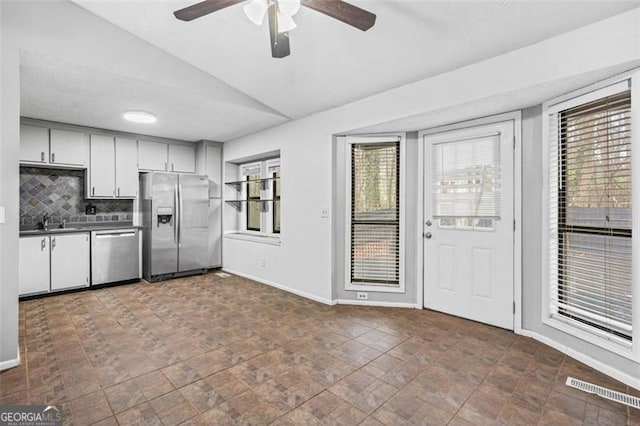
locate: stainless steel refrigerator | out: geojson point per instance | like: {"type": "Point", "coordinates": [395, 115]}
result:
{"type": "Point", "coordinates": [175, 210]}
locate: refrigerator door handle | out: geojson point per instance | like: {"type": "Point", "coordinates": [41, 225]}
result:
{"type": "Point", "coordinates": [176, 215]}
{"type": "Point", "coordinates": [180, 216]}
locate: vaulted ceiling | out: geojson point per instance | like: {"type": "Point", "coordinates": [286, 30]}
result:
{"type": "Point", "coordinates": [331, 64]}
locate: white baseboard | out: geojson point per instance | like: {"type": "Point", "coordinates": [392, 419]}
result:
{"type": "Point", "coordinates": [374, 303]}
{"type": "Point", "coordinates": [625, 378]}
{"type": "Point", "coordinates": [5, 365]}
{"type": "Point", "coordinates": [282, 287]}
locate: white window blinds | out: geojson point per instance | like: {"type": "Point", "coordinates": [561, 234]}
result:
{"type": "Point", "coordinates": [590, 213]}
{"type": "Point", "coordinates": [466, 178]}
{"type": "Point", "coordinates": [375, 213]}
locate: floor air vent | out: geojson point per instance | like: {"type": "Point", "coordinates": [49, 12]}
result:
{"type": "Point", "coordinates": [620, 397]}
{"type": "Point", "coordinates": [222, 274]}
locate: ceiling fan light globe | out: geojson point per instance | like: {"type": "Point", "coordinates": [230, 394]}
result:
{"type": "Point", "coordinates": [285, 23]}
{"type": "Point", "coordinates": [256, 11]}
{"type": "Point", "coordinates": [289, 7]}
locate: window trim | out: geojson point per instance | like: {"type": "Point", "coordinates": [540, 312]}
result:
{"type": "Point", "coordinates": [590, 334]}
{"type": "Point", "coordinates": [266, 216]}
{"type": "Point", "coordinates": [370, 287]}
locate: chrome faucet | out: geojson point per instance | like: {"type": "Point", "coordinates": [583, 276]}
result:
{"type": "Point", "coordinates": [45, 221]}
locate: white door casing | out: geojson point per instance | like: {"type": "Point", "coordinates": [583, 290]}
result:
{"type": "Point", "coordinates": [469, 261]}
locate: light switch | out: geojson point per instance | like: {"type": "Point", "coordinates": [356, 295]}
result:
{"type": "Point", "coordinates": [1, 214]}
{"type": "Point", "coordinates": [324, 212]}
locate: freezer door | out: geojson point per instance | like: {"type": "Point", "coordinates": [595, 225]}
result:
{"type": "Point", "coordinates": [193, 222]}
{"type": "Point", "coordinates": [164, 218]}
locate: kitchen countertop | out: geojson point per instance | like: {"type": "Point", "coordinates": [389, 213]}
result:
{"type": "Point", "coordinates": [77, 228]}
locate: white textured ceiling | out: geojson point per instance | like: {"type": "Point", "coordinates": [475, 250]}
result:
{"type": "Point", "coordinates": [70, 93]}
{"type": "Point", "coordinates": [331, 63]}
{"type": "Point", "coordinates": [85, 62]}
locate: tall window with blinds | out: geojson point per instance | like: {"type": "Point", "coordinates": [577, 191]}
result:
{"type": "Point", "coordinates": [375, 213]}
{"type": "Point", "coordinates": [591, 214]}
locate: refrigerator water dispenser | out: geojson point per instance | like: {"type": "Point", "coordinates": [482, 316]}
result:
{"type": "Point", "coordinates": [164, 215]}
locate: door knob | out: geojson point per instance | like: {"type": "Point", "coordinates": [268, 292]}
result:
{"type": "Point", "coordinates": [427, 235]}
{"type": "Point", "coordinates": [428, 223]}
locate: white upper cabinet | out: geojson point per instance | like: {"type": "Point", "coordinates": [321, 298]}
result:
{"type": "Point", "coordinates": [152, 156]}
{"type": "Point", "coordinates": [126, 168]}
{"type": "Point", "coordinates": [113, 168]}
{"type": "Point", "coordinates": [182, 158]}
{"type": "Point", "coordinates": [159, 156]}
{"type": "Point", "coordinates": [102, 167]}
{"type": "Point", "coordinates": [70, 261]}
{"type": "Point", "coordinates": [68, 148]}
{"type": "Point", "coordinates": [33, 265]}
{"type": "Point", "coordinates": [34, 144]}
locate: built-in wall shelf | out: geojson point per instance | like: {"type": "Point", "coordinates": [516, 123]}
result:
{"type": "Point", "coordinates": [238, 203]}
{"type": "Point", "coordinates": [238, 183]}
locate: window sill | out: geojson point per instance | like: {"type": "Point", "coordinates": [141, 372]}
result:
{"type": "Point", "coordinates": [593, 336]}
{"type": "Point", "coordinates": [256, 238]}
{"type": "Point", "coordinates": [371, 288]}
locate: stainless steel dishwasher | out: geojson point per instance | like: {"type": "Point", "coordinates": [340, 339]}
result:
{"type": "Point", "coordinates": [115, 256]}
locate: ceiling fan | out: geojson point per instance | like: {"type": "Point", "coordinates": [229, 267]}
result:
{"type": "Point", "coordinates": [280, 13]}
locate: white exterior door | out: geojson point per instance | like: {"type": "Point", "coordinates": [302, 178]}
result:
{"type": "Point", "coordinates": [469, 223]}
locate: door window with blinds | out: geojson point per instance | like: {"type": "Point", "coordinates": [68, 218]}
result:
{"type": "Point", "coordinates": [466, 183]}
{"type": "Point", "coordinates": [374, 214]}
{"type": "Point", "coordinates": [590, 217]}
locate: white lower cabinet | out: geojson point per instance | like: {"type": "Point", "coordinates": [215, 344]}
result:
{"type": "Point", "coordinates": [33, 265]}
{"type": "Point", "coordinates": [51, 263]}
{"type": "Point", "coordinates": [70, 261]}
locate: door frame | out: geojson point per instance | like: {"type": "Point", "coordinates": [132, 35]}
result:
{"type": "Point", "coordinates": [516, 117]}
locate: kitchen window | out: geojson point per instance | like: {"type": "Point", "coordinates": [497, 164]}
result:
{"type": "Point", "coordinates": [262, 197]}
{"type": "Point", "coordinates": [374, 214]}
{"type": "Point", "coordinates": [591, 167]}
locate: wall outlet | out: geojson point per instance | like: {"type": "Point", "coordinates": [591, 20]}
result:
{"type": "Point", "coordinates": [362, 295]}
{"type": "Point", "coordinates": [263, 262]}
{"type": "Point", "coordinates": [324, 213]}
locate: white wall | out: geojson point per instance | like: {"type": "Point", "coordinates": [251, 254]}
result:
{"type": "Point", "coordinates": [522, 78]}
{"type": "Point", "coordinates": [9, 194]}
{"type": "Point", "coordinates": [517, 79]}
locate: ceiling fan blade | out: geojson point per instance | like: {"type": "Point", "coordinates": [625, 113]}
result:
{"type": "Point", "coordinates": [343, 11]}
{"type": "Point", "coordinates": [203, 8]}
{"type": "Point", "coordinates": [279, 41]}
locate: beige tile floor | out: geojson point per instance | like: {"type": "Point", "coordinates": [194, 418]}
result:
{"type": "Point", "coordinates": [212, 351]}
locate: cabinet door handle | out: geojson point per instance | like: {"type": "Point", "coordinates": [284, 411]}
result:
{"type": "Point", "coordinates": [53, 157]}
{"type": "Point", "coordinates": [118, 191]}
{"type": "Point", "coordinates": [42, 156]}
{"type": "Point", "coordinates": [93, 191]}
{"type": "Point", "coordinates": [171, 166]}
{"type": "Point", "coordinates": [53, 243]}
{"type": "Point", "coordinates": [42, 244]}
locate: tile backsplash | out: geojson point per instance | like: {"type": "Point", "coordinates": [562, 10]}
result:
{"type": "Point", "coordinates": [60, 193]}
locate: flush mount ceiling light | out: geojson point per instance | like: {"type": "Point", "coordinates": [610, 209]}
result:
{"type": "Point", "coordinates": [140, 117]}
{"type": "Point", "coordinates": [280, 13]}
